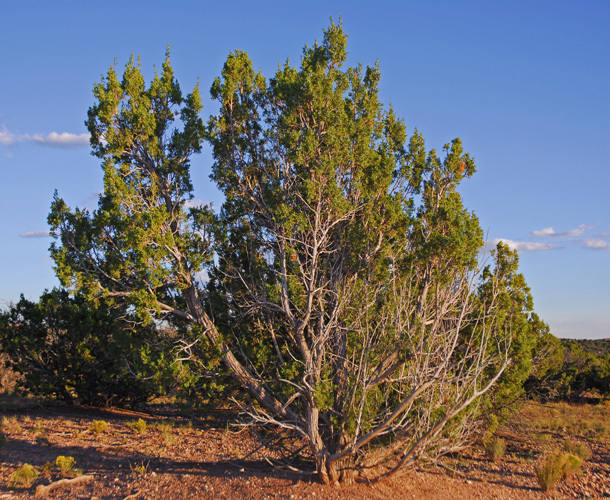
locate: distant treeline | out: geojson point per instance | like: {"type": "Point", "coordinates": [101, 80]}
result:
{"type": "Point", "coordinates": [599, 347]}
{"type": "Point", "coordinates": [581, 372]}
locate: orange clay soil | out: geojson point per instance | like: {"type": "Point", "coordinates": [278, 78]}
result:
{"type": "Point", "coordinates": [175, 457]}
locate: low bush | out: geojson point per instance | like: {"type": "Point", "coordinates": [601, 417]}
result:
{"type": "Point", "coordinates": [66, 466]}
{"type": "Point", "coordinates": [23, 477]}
{"type": "Point", "coordinates": [80, 352]}
{"type": "Point", "coordinates": [556, 467]}
{"type": "Point", "coordinates": [98, 426]}
{"type": "Point", "coordinates": [495, 448]}
{"type": "Point", "coordinates": [139, 426]}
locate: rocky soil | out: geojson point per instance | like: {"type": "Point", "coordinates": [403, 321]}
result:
{"type": "Point", "coordinates": [175, 457]}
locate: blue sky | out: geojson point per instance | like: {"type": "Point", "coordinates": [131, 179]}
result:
{"type": "Point", "coordinates": [525, 85]}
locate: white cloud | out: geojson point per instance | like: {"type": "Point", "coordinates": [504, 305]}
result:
{"type": "Point", "coordinates": [54, 139]}
{"type": "Point", "coordinates": [549, 231]}
{"type": "Point", "coordinates": [7, 138]}
{"type": "Point", "coordinates": [194, 203]}
{"type": "Point", "coordinates": [202, 277]}
{"type": "Point", "coordinates": [577, 232]}
{"type": "Point", "coordinates": [36, 234]}
{"type": "Point", "coordinates": [596, 244]}
{"type": "Point", "coordinates": [524, 246]}
{"type": "Point", "coordinates": [63, 140]}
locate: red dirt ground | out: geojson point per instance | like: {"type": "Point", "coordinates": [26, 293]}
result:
{"type": "Point", "coordinates": [202, 458]}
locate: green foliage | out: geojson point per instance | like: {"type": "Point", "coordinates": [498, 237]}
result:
{"type": "Point", "coordinates": [534, 351]}
{"type": "Point", "coordinates": [343, 244]}
{"type": "Point", "coordinates": [582, 371]}
{"type": "Point", "coordinates": [80, 351]}
{"type": "Point", "coordinates": [148, 240]}
{"type": "Point", "coordinates": [98, 426]}
{"type": "Point", "coordinates": [66, 466]}
{"type": "Point", "coordinates": [138, 426]}
{"type": "Point", "coordinates": [556, 467]}
{"type": "Point", "coordinates": [495, 448]}
{"type": "Point", "coordinates": [143, 243]}
{"type": "Point", "coordinates": [23, 477]}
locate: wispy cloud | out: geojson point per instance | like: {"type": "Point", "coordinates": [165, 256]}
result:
{"type": "Point", "coordinates": [54, 139]}
{"type": "Point", "coordinates": [194, 203]}
{"type": "Point", "coordinates": [36, 234]}
{"type": "Point", "coordinates": [524, 246]}
{"type": "Point", "coordinates": [202, 277]}
{"type": "Point", "coordinates": [7, 138]}
{"type": "Point", "coordinates": [63, 140]}
{"type": "Point", "coordinates": [596, 244]}
{"type": "Point", "coordinates": [549, 231]}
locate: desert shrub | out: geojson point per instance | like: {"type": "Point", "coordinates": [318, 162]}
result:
{"type": "Point", "coordinates": [584, 373]}
{"type": "Point", "coordinates": [23, 477]}
{"type": "Point", "coordinates": [556, 467]}
{"type": "Point", "coordinates": [579, 449]}
{"type": "Point", "coordinates": [66, 465]}
{"type": "Point", "coordinates": [80, 352]}
{"type": "Point", "coordinates": [138, 426]}
{"type": "Point", "coordinates": [8, 377]}
{"type": "Point", "coordinates": [495, 448]}
{"type": "Point", "coordinates": [98, 426]}
{"type": "Point", "coordinates": [571, 465]}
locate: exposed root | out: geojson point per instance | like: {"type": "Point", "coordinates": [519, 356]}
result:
{"type": "Point", "coordinates": [43, 490]}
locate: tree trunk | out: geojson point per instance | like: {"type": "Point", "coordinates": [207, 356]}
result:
{"type": "Point", "coordinates": [255, 388]}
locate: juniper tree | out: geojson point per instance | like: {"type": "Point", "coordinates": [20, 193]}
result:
{"type": "Point", "coordinates": [347, 255]}
{"type": "Point", "coordinates": [344, 283]}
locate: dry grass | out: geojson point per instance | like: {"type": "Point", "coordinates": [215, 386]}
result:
{"type": "Point", "coordinates": [579, 449]}
{"type": "Point", "coordinates": [495, 448]}
{"type": "Point", "coordinates": [556, 467]}
{"type": "Point", "coordinates": [589, 421]}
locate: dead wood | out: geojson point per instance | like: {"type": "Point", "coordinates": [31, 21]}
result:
{"type": "Point", "coordinates": [43, 490]}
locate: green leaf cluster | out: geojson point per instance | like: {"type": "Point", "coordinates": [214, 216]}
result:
{"type": "Point", "coordinates": [146, 236]}
{"type": "Point", "coordinates": [81, 352]}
